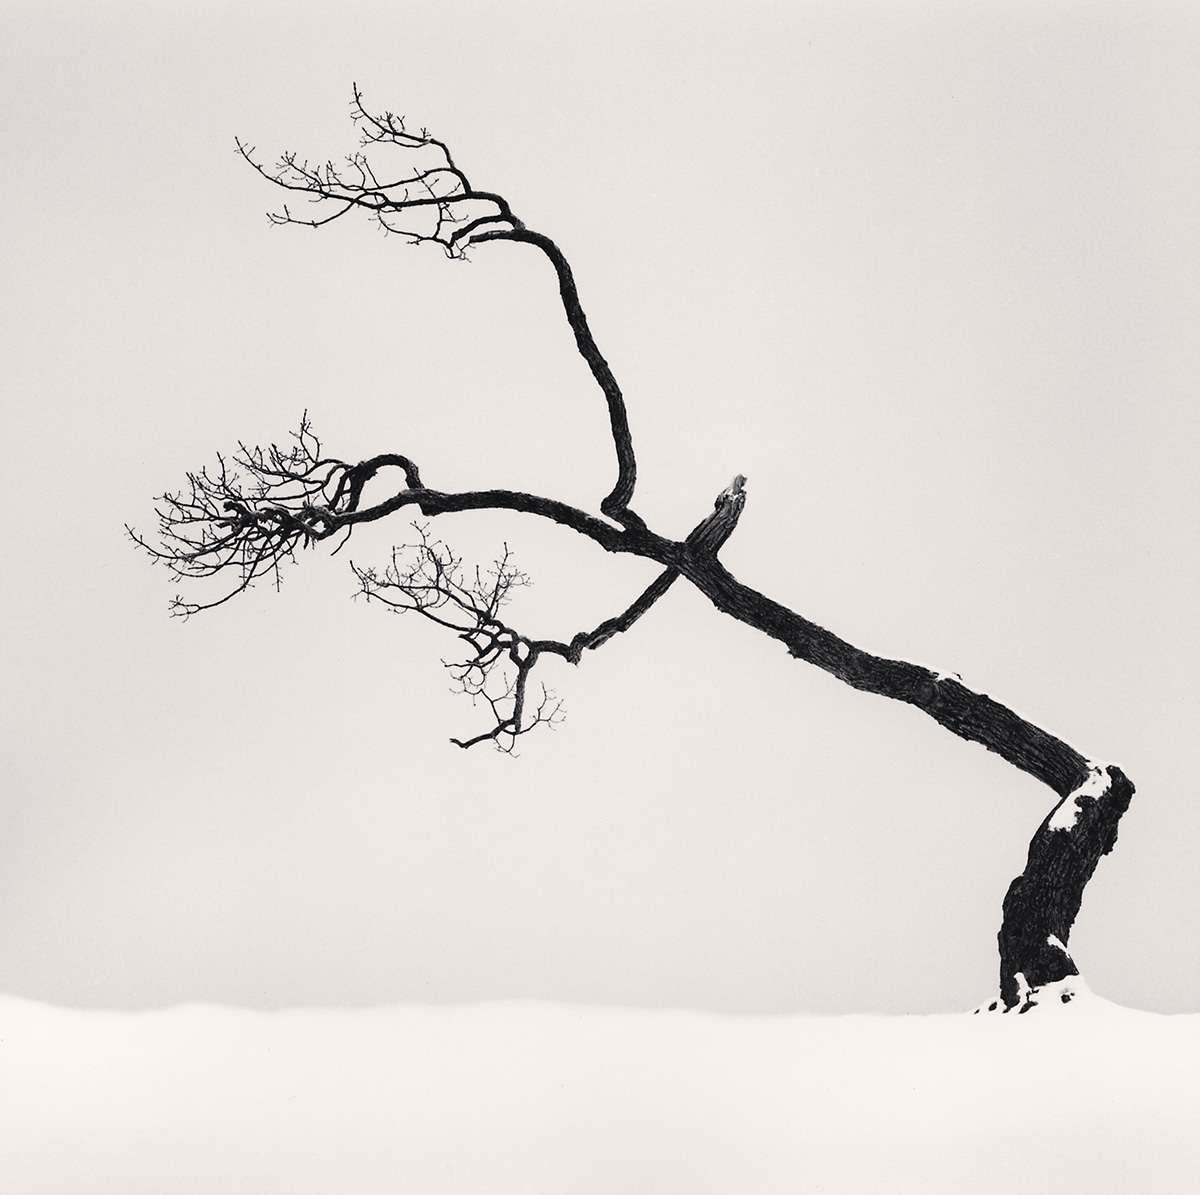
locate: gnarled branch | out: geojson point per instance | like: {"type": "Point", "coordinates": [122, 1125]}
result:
{"type": "Point", "coordinates": [427, 198]}
{"type": "Point", "coordinates": [426, 577]}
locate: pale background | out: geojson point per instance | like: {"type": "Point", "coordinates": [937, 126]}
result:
{"type": "Point", "coordinates": [927, 274]}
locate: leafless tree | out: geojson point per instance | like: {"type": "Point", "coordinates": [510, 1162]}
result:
{"type": "Point", "coordinates": [247, 515]}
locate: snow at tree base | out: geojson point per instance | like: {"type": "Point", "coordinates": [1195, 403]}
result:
{"type": "Point", "coordinates": [534, 1098]}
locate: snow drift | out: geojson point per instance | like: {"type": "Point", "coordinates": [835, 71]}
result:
{"type": "Point", "coordinates": [535, 1098]}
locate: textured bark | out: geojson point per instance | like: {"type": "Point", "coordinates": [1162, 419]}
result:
{"type": "Point", "coordinates": [964, 712]}
{"type": "Point", "coordinates": [1043, 901]}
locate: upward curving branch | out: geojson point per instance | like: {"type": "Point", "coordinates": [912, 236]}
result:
{"type": "Point", "coordinates": [426, 197]}
{"type": "Point", "coordinates": [251, 513]}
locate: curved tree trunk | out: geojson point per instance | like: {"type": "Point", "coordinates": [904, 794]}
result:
{"type": "Point", "coordinates": [1043, 901]}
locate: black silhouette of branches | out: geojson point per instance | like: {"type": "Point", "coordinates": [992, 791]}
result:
{"type": "Point", "coordinates": [247, 515]}
{"type": "Point", "coordinates": [409, 184]}
{"type": "Point", "coordinates": [426, 197]}
{"type": "Point", "coordinates": [427, 578]}
{"type": "Point", "coordinates": [243, 518]}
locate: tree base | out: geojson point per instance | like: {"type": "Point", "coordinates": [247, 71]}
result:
{"type": "Point", "coordinates": [1043, 901]}
{"type": "Point", "coordinates": [1048, 995]}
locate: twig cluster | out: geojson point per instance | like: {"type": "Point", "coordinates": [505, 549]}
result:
{"type": "Point", "coordinates": [247, 515]}
{"type": "Point", "coordinates": [426, 197]}
{"type": "Point", "coordinates": [427, 578]}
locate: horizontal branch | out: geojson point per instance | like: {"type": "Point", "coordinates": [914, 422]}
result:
{"type": "Point", "coordinates": [434, 502]}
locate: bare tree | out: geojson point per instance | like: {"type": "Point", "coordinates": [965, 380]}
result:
{"type": "Point", "coordinates": [244, 517]}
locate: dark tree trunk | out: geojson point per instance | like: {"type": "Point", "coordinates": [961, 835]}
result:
{"type": "Point", "coordinates": [1043, 901]}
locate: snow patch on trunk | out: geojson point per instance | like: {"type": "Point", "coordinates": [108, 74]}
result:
{"type": "Point", "coordinates": [1095, 786]}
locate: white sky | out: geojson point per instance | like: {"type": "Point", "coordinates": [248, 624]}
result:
{"type": "Point", "coordinates": [925, 274]}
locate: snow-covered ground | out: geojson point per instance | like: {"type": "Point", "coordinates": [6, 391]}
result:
{"type": "Point", "coordinates": [534, 1098]}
